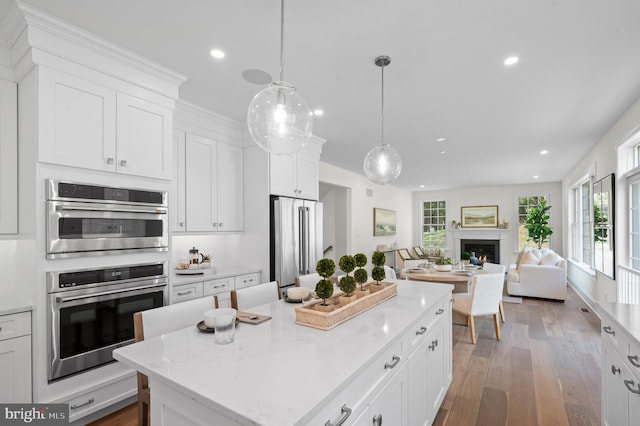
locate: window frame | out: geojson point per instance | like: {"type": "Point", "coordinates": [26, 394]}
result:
{"type": "Point", "coordinates": [577, 250]}
{"type": "Point", "coordinates": [443, 225]}
{"type": "Point", "coordinates": [547, 197]}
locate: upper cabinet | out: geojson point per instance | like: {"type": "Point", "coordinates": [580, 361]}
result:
{"type": "Point", "coordinates": [296, 175]}
{"type": "Point", "coordinates": [89, 125]}
{"type": "Point", "coordinates": [8, 157]}
{"type": "Point", "coordinates": [212, 183]}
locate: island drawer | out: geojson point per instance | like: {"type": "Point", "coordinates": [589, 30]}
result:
{"type": "Point", "coordinates": [360, 389]}
{"type": "Point", "coordinates": [15, 325]}
{"type": "Point", "coordinates": [246, 280]}
{"type": "Point", "coordinates": [427, 322]}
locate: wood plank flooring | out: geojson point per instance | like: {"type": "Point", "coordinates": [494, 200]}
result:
{"type": "Point", "coordinates": [544, 371]}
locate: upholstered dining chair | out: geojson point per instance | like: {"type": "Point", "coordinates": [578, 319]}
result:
{"type": "Point", "coordinates": [249, 297]}
{"type": "Point", "coordinates": [483, 299]}
{"type": "Point", "coordinates": [494, 268]}
{"type": "Point", "coordinates": [389, 273]}
{"type": "Point", "coordinates": [158, 321]}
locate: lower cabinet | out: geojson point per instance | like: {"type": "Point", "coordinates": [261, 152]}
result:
{"type": "Point", "coordinates": [15, 357]}
{"type": "Point", "coordinates": [620, 388]}
{"type": "Point", "coordinates": [220, 287]}
{"type": "Point", "coordinates": [389, 406]}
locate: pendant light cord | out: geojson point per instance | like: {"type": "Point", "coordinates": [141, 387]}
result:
{"type": "Point", "coordinates": [382, 109]}
{"type": "Point", "coordinates": [281, 40]}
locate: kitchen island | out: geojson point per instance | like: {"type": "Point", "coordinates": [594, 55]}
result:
{"type": "Point", "coordinates": [393, 361]}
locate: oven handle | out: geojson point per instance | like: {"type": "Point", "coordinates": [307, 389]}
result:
{"type": "Point", "coordinates": [60, 299]}
{"type": "Point", "coordinates": [112, 208]}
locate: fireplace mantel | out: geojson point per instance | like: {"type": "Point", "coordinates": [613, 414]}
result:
{"type": "Point", "coordinates": [480, 234]}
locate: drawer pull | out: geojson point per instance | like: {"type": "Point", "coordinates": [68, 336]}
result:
{"type": "Point", "coordinates": [440, 311]}
{"type": "Point", "coordinates": [76, 406]}
{"type": "Point", "coordinates": [220, 286]}
{"type": "Point", "coordinates": [421, 331]}
{"type": "Point", "coordinates": [396, 360]}
{"type": "Point", "coordinates": [346, 412]}
{"type": "Point", "coordinates": [109, 160]}
{"type": "Point", "coordinates": [183, 293]}
{"type": "Point", "coordinates": [629, 384]}
{"type": "Point", "coordinates": [377, 420]}
{"type": "Point", "coordinates": [123, 163]}
{"type": "Point", "coordinates": [608, 330]}
{"type": "Point", "coordinates": [614, 370]}
{"type": "Point", "coordinates": [633, 360]}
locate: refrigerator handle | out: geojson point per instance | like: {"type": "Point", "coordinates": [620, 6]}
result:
{"type": "Point", "coordinates": [301, 241]}
{"type": "Point", "coordinates": [304, 241]}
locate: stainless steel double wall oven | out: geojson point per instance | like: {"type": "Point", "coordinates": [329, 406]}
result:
{"type": "Point", "coordinates": [90, 310]}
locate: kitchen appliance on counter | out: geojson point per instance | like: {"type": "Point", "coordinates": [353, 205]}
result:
{"type": "Point", "coordinates": [296, 239]}
{"type": "Point", "coordinates": [90, 312]}
{"type": "Point", "coordinates": [87, 220]}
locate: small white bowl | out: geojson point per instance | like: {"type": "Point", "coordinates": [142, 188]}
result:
{"type": "Point", "coordinates": [209, 316]}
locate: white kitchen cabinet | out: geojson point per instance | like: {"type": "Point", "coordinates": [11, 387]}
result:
{"type": "Point", "coordinates": [214, 185]}
{"type": "Point", "coordinates": [8, 158]}
{"type": "Point", "coordinates": [88, 125]}
{"type": "Point", "coordinates": [15, 357]}
{"type": "Point", "coordinates": [221, 288]}
{"type": "Point", "coordinates": [295, 175]}
{"type": "Point", "coordinates": [389, 407]}
{"type": "Point", "coordinates": [177, 198]}
{"type": "Point", "coordinates": [185, 292]}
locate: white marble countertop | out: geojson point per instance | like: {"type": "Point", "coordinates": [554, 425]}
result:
{"type": "Point", "coordinates": [10, 304]}
{"type": "Point", "coordinates": [210, 274]}
{"type": "Point", "coordinates": [626, 316]}
{"type": "Point", "coordinates": [278, 372]}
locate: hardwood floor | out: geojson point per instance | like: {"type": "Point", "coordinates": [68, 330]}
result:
{"type": "Point", "coordinates": [544, 371]}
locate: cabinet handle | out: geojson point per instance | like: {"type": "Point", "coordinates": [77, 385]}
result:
{"type": "Point", "coordinates": [433, 345]}
{"type": "Point", "coordinates": [421, 331]}
{"type": "Point", "coordinates": [181, 224]}
{"type": "Point", "coordinates": [184, 293]}
{"type": "Point", "coordinates": [109, 160]}
{"type": "Point", "coordinates": [215, 224]}
{"type": "Point", "coordinates": [629, 384]}
{"type": "Point", "coordinates": [633, 360]}
{"type": "Point", "coordinates": [123, 163]}
{"type": "Point", "coordinates": [76, 406]}
{"type": "Point", "coordinates": [608, 330]}
{"type": "Point", "coordinates": [220, 224]}
{"type": "Point", "coordinates": [440, 311]}
{"type": "Point", "coordinates": [219, 286]}
{"type": "Point", "coordinates": [345, 413]}
{"type": "Point", "coordinates": [614, 370]}
{"type": "Point", "coordinates": [377, 420]}
{"type": "Point", "coordinates": [396, 360]}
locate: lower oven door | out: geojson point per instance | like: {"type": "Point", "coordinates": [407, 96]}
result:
{"type": "Point", "coordinates": [84, 329]}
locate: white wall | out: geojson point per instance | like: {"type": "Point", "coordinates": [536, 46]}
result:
{"type": "Point", "coordinates": [603, 156]}
{"type": "Point", "coordinates": [362, 205]}
{"type": "Point", "coordinates": [505, 197]}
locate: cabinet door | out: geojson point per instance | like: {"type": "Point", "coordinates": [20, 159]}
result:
{"type": "Point", "coordinates": [15, 370]}
{"type": "Point", "coordinates": [283, 175]}
{"type": "Point", "coordinates": [436, 370]}
{"type": "Point", "coordinates": [418, 407]}
{"type": "Point", "coordinates": [186, 292]}
{"type": "Point", "coordinates": [77, 122]}
{"type": "Point", "coordinates": [143, 138]}
{"type": "Point", "coordinates": [8, 158]}
{"type": "Point", "coordinates": [201, 182]}
{"type": "Point", "coordinates": [614, 392]}
{"type": "Point", "coordinates": [308, 180]}
{"type": "Point", "coordinates": [230, 188]}
{"type": "Point", "coordinates": [389, 407]}
{"type": "Point", "coordinates": [177, 201]}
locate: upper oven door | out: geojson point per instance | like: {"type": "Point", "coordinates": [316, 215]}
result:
{"type": "Point", "coordinates": [80, 229]}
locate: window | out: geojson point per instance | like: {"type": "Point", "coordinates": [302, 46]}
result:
{"type": "Point", "coordinates": [524, 204]}
{"type": "Point", "coordinates": [433, 224]}
{"type": "Point", "coordinates": [582, 222]}
{"type": "Point", "coordinates": [634, 224]}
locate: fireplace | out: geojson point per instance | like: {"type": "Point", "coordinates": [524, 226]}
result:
{"type": "Point", "coordinates": [483, 249]}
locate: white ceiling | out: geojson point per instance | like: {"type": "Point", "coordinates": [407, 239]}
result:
{"type": "Point", "coordinates": [578, 72]}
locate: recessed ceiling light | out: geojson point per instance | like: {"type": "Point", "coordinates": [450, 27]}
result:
{"type": "Point", "coordinates": [421, 186]}
{"type": "Point", "coordinates": [318, 112]}
{"type": "Point", "coordinates": [443, 152]}
{"type": "Point", "coordinates": [536, 176]}
{"type": "Point", "coordinates": [441, 139]}
{"type": "Point", "coordinates": [511, 60]}
{"type": "Point", "coordinates": [217, 53]}
{"type": "Point", "coordinates": [544, 152]}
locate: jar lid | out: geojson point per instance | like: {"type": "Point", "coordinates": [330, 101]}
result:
{"type": "Point", "coordinates": [193, 250]}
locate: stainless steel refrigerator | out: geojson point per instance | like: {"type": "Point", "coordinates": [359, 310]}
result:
{"type": "Point", "coordinates": [296, 238]}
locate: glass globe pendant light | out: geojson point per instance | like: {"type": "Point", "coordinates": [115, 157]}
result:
{"type": "Point", "coordinates": [382, 164]}
{"type": "Point", "coordinates": [279, 120]}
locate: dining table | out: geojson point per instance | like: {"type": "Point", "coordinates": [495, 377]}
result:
{"type": "Point", "coordinates": [461, 279]}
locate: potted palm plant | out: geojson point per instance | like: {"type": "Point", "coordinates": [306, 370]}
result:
{"type": "Point", "coordinates": [537, 223]}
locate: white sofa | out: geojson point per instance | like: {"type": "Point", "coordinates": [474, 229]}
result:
{"type": "Point", "coordinates": [546, 279]}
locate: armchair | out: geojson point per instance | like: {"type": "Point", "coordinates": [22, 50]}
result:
{"type": "Point", "coordinates": [544, 277]}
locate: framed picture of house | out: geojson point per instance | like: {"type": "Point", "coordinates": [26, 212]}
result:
{"type": "Point", "coordinates": [384, 222]}
{"type": "Point", "coordinates": [479, 217]}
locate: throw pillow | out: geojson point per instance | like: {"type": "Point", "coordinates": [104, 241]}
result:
{"type": "Point", "coordinates": [524, 249]}
{"type": "Point", "coordinates": [529, 259]}
{"type": "Point", "coordinates": [537, 253]}
{"type": "Point", "coordinates": [549, 258]}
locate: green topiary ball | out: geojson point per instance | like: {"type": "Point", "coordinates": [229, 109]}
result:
{"type": "Point", "coordinates": [361, 260]}
{"type": "Point", "coordinates": [326, 268]}
{"type": "Point", "coordinates": [324, 289]}
{"type": "Point", "coordinates": [347, 263]}
{"type": "Point", "coordinates": [378, 258]}
{"type": "Point", "coordinates": [347, 284]}
{"type": "Point", "coordinates": [361, 276]}
{"type": "Point", "coordinates": [377, 273]}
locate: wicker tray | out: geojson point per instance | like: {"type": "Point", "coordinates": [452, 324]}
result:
{"type": "Point", "coordinates": [307, 315]}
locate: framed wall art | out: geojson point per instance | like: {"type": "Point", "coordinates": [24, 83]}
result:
{"type": "Point", "coordinates": [384, 222]}
{"type": "Point", "coordinates": [479, 217]}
